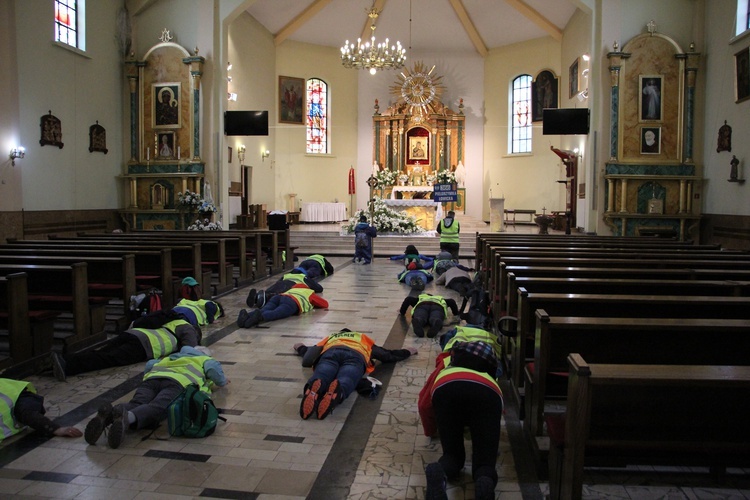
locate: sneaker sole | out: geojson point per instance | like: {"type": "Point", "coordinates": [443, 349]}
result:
{"type": "Point", "coordinates": [326, 405]}
{"type": "Point", "coordinates": [436, 483]}
{"type": "Point", "coordinates": [116, 430]}
{"type": "Point", "coordinates": [307, 407]}
{"type": "Point", "coordinates": [96, 425]}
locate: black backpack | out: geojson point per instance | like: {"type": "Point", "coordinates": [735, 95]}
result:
{"type": "Point", "coordinates": [361, 240]}
{"type": "Point", "coordinates": [479, 302]}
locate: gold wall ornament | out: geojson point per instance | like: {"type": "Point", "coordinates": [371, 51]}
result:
{"type": "Point", "coordinates": [419, 89]}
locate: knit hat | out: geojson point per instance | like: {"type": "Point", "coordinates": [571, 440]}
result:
{"type": "Point", "coordinates": [363, 218]}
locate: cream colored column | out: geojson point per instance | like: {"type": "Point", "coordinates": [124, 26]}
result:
{"type": "Point", "coordinates": [623, 197]}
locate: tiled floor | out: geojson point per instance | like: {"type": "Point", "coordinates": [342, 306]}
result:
{"type": "Point", "coordinates": [365, 449]}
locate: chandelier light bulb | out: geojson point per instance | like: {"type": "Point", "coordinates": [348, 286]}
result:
{"type": "Point", "coordinates": [371, 55]}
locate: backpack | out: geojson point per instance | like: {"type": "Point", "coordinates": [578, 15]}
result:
{"type": "Point", "coordinates": [361, 240]}
{"type": "Point", "coordinates": [192, 414]}
{"type": "Point", "coordinates": [480, 306]}
{"type": "Point", "coordinates": [145, 303]}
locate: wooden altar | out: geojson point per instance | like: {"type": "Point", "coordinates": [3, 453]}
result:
{"type": "Point", "coordinates": [418, 135]}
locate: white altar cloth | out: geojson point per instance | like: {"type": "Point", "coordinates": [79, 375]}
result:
{"type": "Point", "coordinates": [323, 212]}
{"type": "Point", "coordinates": [411, 203]}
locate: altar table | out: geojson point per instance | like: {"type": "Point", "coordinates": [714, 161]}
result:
{"type": "Point", "coordinates": [411, 191]}
{"type": "Point", "coordinates": [323, 212]}
{"type": "Point", "coordinates": [427, 212]}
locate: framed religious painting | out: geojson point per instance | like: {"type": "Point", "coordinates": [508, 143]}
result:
{"type": "Point", "coordinates": [544, 94]}
{"type": "Point", "coordinates": [418, 148]}
{"type": "Point", "coordinates": [742, 75]}
{"type": "Point", "coordinates": [650, 105]}
{"type": "Point", "coordinates": [573, 79]}
{"type": "Point", "coordinates": [291, 100]}
{"type": "Point", "coordinates": [166, 105]}
{"type": "Point", "coordinates": [165, 145]}
{"type": "Point", "coordinates": [650, 140]}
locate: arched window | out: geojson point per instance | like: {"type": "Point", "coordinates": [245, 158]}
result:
{"type": "Point", "coordinates": [70, 23]}
{"type": "Point", "coordinates": [317, 116]}
{"type": "Point", "coordinates": [743, 17]}
{"type": "Point", "coordinates": [520, 120]}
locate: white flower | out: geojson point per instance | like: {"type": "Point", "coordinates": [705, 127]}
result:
{"type": "Point", "coordinates": [445, 177]}
{"type": "Point", "coordinates": [386, 220]}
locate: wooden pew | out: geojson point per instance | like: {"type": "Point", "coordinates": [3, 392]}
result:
{"type": "Point", "coordinates": [605, 305]}
{"type": "Point", "coordinates": [108, 277]}
{"type": "Point", "coordinates": [683, 415]}
{"type": "Point", "coordinates": [213, 252]}
{"type": "Point", "coordinates": [153, 268]}
{"type": "Point", "coordinates": [639, 340]}
{"type": "Point", "coordinates": [499, 292]}
{"type": "Point", "coordinates": [186, 256]}
{"type": "Point", "coordinates": [64, 289]}
{"type": "Point", "coordinates": [30, 332]}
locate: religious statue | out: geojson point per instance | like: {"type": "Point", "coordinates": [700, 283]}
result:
{"type": "Point", "coordinates": [734, 167]}
{"type": "Point", "coordinates": [460, 174]}
{"type": "Point", "coordinates": [375, 168]}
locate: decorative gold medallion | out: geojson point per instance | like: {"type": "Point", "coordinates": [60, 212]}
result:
{"type": "Point", "coordinates": [419, 89]}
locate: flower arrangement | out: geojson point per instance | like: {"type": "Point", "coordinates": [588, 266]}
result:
{"type": "Point", "coordinates": [204, 225]}
{"type": "Point", "coordinates": [207, 207]}
{"type": "Point", "coordinates": [386, 220]}
{"type": "Point", "coordinates": [385, 178]}
{"type": "Point", "coordinates": [431, 178]}
{"type": "Point", "coordinates": [402, 179]}
{"type": "Point", "coordinates": [189, 200]}
{"type": "Point", "coordinates": [445, 177]}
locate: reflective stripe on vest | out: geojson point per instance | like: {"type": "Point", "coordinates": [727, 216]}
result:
{"type": "Point", "coordinates": [296, 277]}
{"type": "Point", "coordinates": [9, 392]}
{"type": "Point", "coordinates": [185, 370]}
{"type": "Point", "coordinates": [449, 234]}
{"type": "Point", "coordinates": [461, 374]}
{"type": "Point", "coordinates": [161, 340]}
{"type": "Point", "coordinates": [437, 299]}
{"type": "Point", "coordinates": [353, 340]}
{"type": "Point", "coordinates": [302, 297]}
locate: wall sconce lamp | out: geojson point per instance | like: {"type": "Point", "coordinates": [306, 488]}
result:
{"type": "Point", "coordinates": [17, 152]}
{"type": "Point", "coordinates": [264, 154]}
{"type": "Point", "coordinates": [241, 153]}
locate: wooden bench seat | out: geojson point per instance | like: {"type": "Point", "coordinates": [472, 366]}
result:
{"type": "Point", "coordinates": [525, 344]}
{"type": "Point", "coordinates": [639, 414]}
{"type": "Point", "coordinates": [667, 341]}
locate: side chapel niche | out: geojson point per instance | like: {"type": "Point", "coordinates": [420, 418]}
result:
{"type": "Point", "coordinates": [165, 157]}
{"type": "Point", "coordinates": [418, 136]}
{"type": "Point", "coordinates": [651, 177]}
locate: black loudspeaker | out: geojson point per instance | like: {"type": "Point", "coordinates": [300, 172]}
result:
{"type": "Point", "coordinates": [277, 222]}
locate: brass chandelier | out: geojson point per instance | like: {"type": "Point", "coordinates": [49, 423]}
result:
{"type": "Point", "coordinates": [371, 55]}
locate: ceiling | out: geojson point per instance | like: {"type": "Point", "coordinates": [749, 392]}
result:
{"type": "Point", "coordinates": [432, 25]}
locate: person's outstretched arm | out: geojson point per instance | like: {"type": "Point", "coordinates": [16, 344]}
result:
{"type": "Point", "coordinates": [452, 306]}
{"type": "Point", "coordinates": [313, 285]}
{"type": "Point", "coordinates": [391, 355]}
{"type": "Point", "coordinates": [408, 302]}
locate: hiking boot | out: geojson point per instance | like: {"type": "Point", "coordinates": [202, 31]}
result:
{"type": "Point", "coordinates": [117, 429]}
{"type": "Point", "coordinates": [58, 366]}
{"type": "Point", "coordinates": [242, 318]}
{"type": "Point", "coordinates": [260, 299]}
{"type": "Point", "coordinates": [436, 482]}
{"type": "Point", "coordinates": [250, 301]}
{"type": "Point", "coordinates": [418, 328]}
{"type": "Point", "coordinates": [329, 401]}
{"type": "Point", "coordinates": [310, 400]}
{"type": "Point", "coordinates": [484, 488]}
{"type": "Point", "coordinates": [96, 425]}
{"type": "Point", "coordinates": [417, 284]}
{"type": "Point", "coordinates": [253, 318]}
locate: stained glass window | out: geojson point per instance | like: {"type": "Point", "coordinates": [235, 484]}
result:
{"type": "Point", "coordinates": [521, 115]}
{"type": "Point", "coordinates": [317, 116]}
{"type": "Point", "coordinates": [69, 23]}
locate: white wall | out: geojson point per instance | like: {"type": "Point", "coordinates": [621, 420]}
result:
{"type": "Point", "coordinates": [720, 196]}
{"type": "Point", "coordinates": [79, 90]}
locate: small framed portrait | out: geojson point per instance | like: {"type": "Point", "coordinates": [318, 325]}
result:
{"type": "Point", "coordinates": [650, 104]}
{"type": "Point", "coordinates": [291, 100]}
{"type": "Point", "coordinates": [418, 148]}
{"type": "Point", "coordinates": [166, 99]}
{"type": "Point", "coordinates": [165, 146]}
{"type": "Point", "coordinates": [574, 79]}
{"type": "Point", "coordinates": [97, 138]}
{"type": "Point", "coordinates": [650, 140]}
{"type": "Point", "coordinates": [742, 74]}
{"type": "Point", "coordinates": [543, 94]}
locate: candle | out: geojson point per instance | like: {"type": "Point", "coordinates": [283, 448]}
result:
{"type": "Point", "coordinates": [178, 152]}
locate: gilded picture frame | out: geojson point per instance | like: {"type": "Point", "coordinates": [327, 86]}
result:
{"type": "Point", "coordinates": [651, 103]}
{"type": "Point", "coordinates": [419, 147]}
{"type": "Point", "coordinates": [545, 95]}
{"type": "Point", "coordinates": [291, 100]}
{"type": "Point", "coordinates": [166, 105]}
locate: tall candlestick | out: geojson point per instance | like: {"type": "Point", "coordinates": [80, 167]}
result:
{"type": "Point", "coordinates": [178, 153]}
